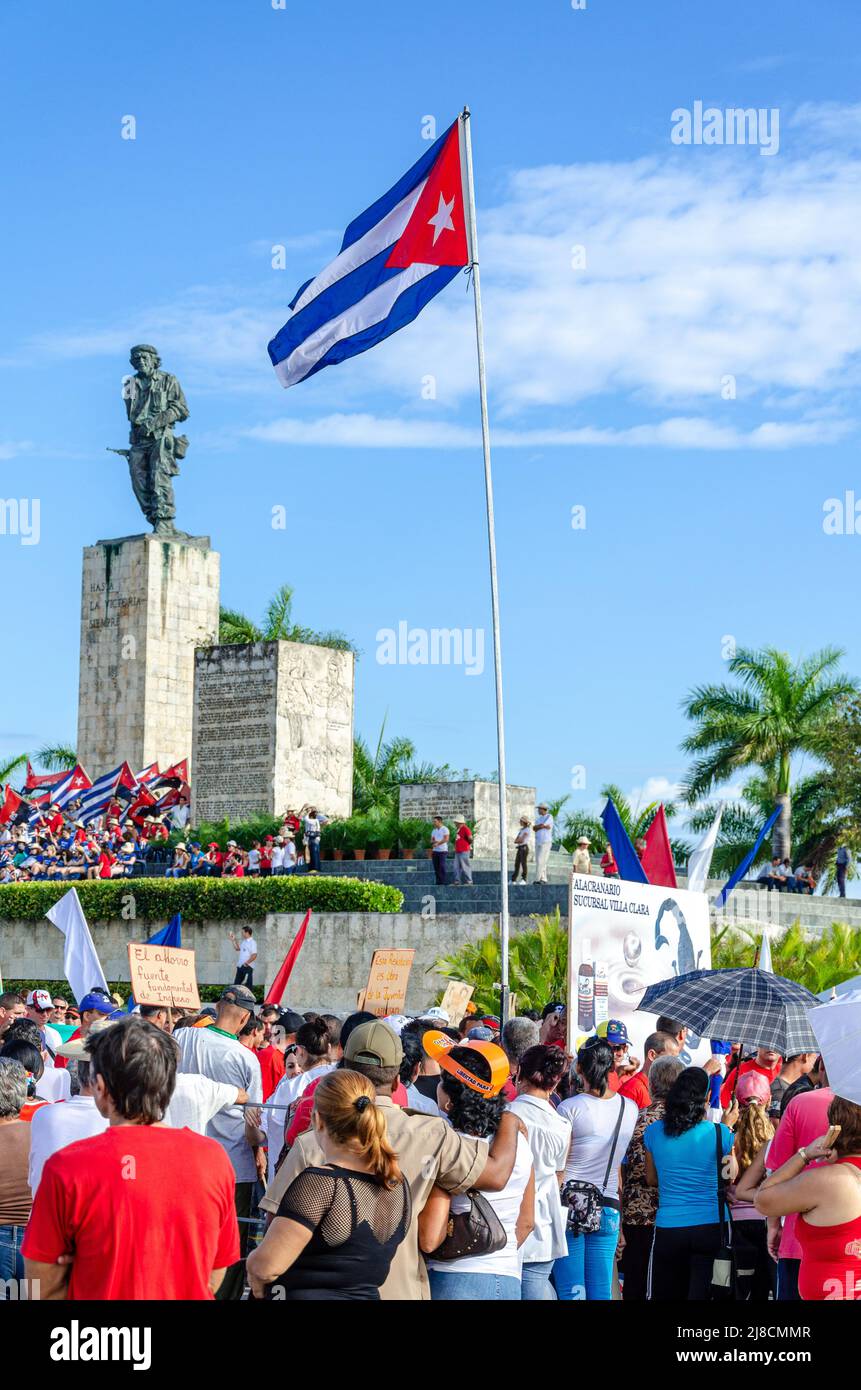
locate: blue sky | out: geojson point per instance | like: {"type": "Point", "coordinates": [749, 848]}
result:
{"type": "Point", "coordinates": [258, 127]}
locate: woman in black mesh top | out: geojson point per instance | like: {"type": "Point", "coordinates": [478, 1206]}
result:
{"type": "Point", "coordinates": [338, 1225]}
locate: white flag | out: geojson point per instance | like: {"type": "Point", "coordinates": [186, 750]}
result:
{"type": "Point", "coordinates": [765, 953]}
{"type": "Point", "coordinates": [80, 962]}
{"type": "Point", "coordinates": [700, 861]}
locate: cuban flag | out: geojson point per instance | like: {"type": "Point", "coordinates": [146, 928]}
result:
{"type": "Point", "coordinates": [394, 258]}
{"type": "Point", "coordinates": [103, 791]}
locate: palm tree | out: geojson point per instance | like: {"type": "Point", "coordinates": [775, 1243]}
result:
{"type": "Point", "coordinates": [379, 776]}
{"type": "Point", "coordinates": [278, 626]}
{"type": "Point", "coordinates": [56, 757]}
{"type": "Point", "coordinates": [780, 708]}
{"type": "Point", "coordinates": [817, 824]}
{"type": "Point", "coordinates": [10, 766]}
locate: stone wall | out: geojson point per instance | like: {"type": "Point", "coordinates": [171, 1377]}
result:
{"type": "Point", "coordinates": [332, 966]}
{"type": "Point", "coordinates": [273, 730]}
{"type": "Point", "coordinates": [146, 603]}
{"type": "Point", "coordinates": [477, 801]}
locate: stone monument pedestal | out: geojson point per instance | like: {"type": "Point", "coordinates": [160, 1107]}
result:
{"type": "Point", "coordinates": [477, 801]}
{"type": "Point", "coordinates": [147, 602]}
{"type": "Point", "coordinates": [273, 730]}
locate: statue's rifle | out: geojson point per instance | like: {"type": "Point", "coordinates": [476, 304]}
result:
{"type": "Point", "coordinates": [125, 453]}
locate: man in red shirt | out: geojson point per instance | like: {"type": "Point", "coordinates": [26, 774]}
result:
{"type": "Point", "coordinates": [636, 1087]}
{"type": "Point", "coordinates": [104, 1200]}
{"type": "Point", "coordinates": [767, 1062]}
{"type": "Point", "coordinates": [462, 847]}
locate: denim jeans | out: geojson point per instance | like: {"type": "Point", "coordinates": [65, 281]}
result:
{"type": "Point", "coordinates": [587, 1270]}
{"type": "Point", "coordinates": [535, 1285]}
{"type": "Point", "coordinates": [486, 1288]}
{"type": "Point", "coordinates": [11, 1260]}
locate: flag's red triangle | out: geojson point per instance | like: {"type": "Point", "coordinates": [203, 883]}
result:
{"type": "Point", "coordinates": [436, 231]}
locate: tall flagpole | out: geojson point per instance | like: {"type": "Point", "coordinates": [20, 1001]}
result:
{"type": "Point", "coordinates": [504, 930]}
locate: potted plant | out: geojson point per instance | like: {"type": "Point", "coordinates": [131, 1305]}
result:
{"type": "Point", "coordinates": [383, 835]}
{"type": "Point", "coordinates": [358, 835]}
{"type": "Point", "coordinates": [334, 835]}
{"type": "Point", "coordinates": [411, 834]}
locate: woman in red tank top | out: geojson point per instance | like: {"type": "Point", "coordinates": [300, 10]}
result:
{"type": "Point", "coordinates": [828, 1200]}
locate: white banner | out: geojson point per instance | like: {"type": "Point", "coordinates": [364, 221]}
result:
{"type": "Point", "coordinates": [623, 937]}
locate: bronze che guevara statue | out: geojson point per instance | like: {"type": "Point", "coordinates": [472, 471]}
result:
{"type": "Point", "coordinates": [154, 404]}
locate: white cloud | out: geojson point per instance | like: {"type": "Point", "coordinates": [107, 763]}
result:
{"type": "Point", "coordinates": [367, 431]}
{"type": "Point", "coordinates": [11, 449]}
{"type": "Point", "coordinates": [701, 263]}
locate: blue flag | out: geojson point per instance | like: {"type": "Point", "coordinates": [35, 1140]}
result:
{"type": "Point", "coordinates": [171, 935]}
{"type": "Point", "coordinates": [745, 864]}
{"type": "Point", "coordinates": [626, 857]}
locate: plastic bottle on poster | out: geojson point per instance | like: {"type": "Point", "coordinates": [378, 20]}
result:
{"type": "Point", "coordinates": [586, 990]}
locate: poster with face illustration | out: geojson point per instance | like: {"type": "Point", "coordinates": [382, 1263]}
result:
{"type": "Point", "coordinates": [624, 937]}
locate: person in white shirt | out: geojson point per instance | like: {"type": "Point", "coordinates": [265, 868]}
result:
{"type": "Point", "coordinates": [39, 1008]}
{"type": "Point", "coordinates": [602, 1123]}
{"type": "Point", "coordinates": [247, 949]}
{"type": "Point", "coordinates": [439, 849]}
{"type": "Point", "coordinates": [476, 1113]}
{"type": "Point", "coordinates": [543, 828]}
{"type": "Point", "coordinates": [277, 855]}
{"type": "Point", "coordinates": [196, 1100]}
{"type": "Point", "coordinates": [539, 1072]}
{"type": "Point", "coordinates": [410, 1068]}
{"type": "Point", "coordinates": [52, 1127]}
{"type": "Point", "coordinates": [312, 1054]}
{"type": "Point", "coordinates": [521, 851]}
{"type": "Point", "coordinates": [313, 826]}
{"type": "Point", "coordinates": [290, 856]}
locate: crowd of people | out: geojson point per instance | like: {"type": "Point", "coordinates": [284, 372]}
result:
{"type": "Point", "coordinates": [57, 847]}
{"type": "Point", "coordinates": [295, 1156]}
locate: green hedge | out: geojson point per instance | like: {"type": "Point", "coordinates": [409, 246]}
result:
{"type": "Point", "coordinates": [201, 899]}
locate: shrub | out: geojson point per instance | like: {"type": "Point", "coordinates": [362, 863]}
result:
{"type": "Point", "coordinates": [202, 899]}
{"type": "Point", "coordinates": [412, 833]}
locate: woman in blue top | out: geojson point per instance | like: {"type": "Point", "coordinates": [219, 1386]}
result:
{"type": "Point", "coordinates": [681, 1162]}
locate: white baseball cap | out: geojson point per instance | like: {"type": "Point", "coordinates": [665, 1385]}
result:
{"type": "Point", "coordinates": [437, 1012]}
{"type": "Point", "coordinates": [39, 999]}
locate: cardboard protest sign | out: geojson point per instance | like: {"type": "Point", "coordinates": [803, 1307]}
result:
{"type": "Point", "coordinates": [163, 975]}
{"type": "Point", "coordinates": [387, 981]}
{"type": "Point", "coordinates": [454, 1001]}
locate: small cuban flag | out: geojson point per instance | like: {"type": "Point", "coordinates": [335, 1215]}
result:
{"type": "Point", "coordinates": [394, 258]}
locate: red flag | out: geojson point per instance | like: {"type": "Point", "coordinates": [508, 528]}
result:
{"type": "Point", "coordinates": [12, 802]}
{"type": "Point", "coordinates": [279, 984]}
{"type": "Point", "coordinates": [46, 779]}
{"type": "Point", "coordinates": [140, 805]}
{"type": "Point", "coordinates": [657, 858]}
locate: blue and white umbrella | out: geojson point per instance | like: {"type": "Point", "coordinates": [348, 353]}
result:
{"type": "Point", "coordinates": [746, 1005]}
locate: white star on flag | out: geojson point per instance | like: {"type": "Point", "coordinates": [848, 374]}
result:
{"type": "Point", "coordinates": [441, 220]}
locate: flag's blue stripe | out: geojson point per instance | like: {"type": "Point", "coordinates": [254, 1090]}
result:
{"type": "Point", "coordinates": [345, 294]}
{"type": "Point", "coordinates": [378, 210]}
{"type": "Point", "coordinates": [745, 864]}
{"type": "Point", "coordinates": [405, 308]}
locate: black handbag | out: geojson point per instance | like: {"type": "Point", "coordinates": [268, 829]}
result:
{"type": "Point", "coordinates": [478, 1231]}
{"type": "Point", "coordinates": [585, 1201]}
{"type": "Point", "coordinates": [723, 1286]}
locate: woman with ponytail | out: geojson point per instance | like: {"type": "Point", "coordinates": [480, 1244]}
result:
{"type": "Point", "coordinates": [338, 1224]}
{"type": "Point", "coordinates": [539, 1072]}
